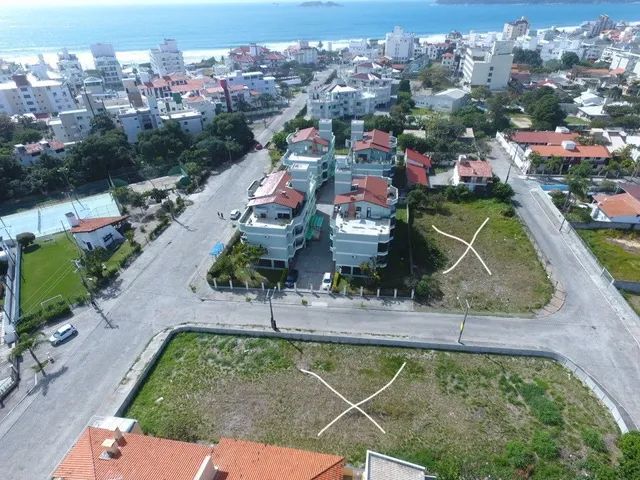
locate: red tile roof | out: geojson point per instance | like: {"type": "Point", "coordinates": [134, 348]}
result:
{"type": "Point", "coordinates": [416, 175]}
{"type": "Point", "coordinates": [581, 151]}
{"type": "Point", "coordinates": [474, 168]}
{"type": "Point", "coordinates": [621, 205]}
{"type": "Point", "coordinates": [274, 189]}
{"type": "Point", "coordinates": [241, 460]}
{"type": "Point", "coordinates": [368, 189]}
{"type": "Point", "coordinates": [376, 139]}
{"type": "Point", "coordinates": [631, 189]}
{"type": "Point", "coordinates": [93, 224]}
{"type": "Point", "coordinates": [309, 134]}
{"type": "Point", "coordinates": [37, 148]}
{"type": "Point", "coordinates": [417, 158]}
{"type": "Point", "coordinates": [542, 138]}
{"type": "Point", "coordinates": [141, 458]}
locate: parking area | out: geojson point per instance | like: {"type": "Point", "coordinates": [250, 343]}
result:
{"type": "Point", "coordinates": [316, 259]}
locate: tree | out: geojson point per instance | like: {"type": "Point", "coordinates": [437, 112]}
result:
{"type": "Point", "coordinates": [555, 164]}
{"type": "Point", "coordinates": [29, 342]}
{"type": "Point", "coordinates": [569, 59]}
{"type": "Point", "coordinates": [25, 239]}
{"type": "Point", "coordinates": [428, 288]}
{"type": "Point", "coordinates": [545, 111]}
{"type": "Point", "coordinates": [163, 146]}
{"type": "Point", "coordinates": [480, 93]}
{"type": "Point", "coordinates": [502, 191]}
{"type": "Point", "coordinates": [497, 112]}
{"type": "Point", "coordinates": [404, 86]}
{"type": "Point", "coordinates": [27, 135]}
{"type": "Point", "coordinates": [527, 57]}
{"type": "Point", "coordinates": [629, 467]}
{"type": "Point", "coordinates": [94, 157]}
{"type": "Point", "coordinates": [157, 194]}
{"type": "Point", "coordinates": [232, 126]}
{"type": "Point", "coordinates": [436, 76]}
{"type": "Point", "coordinates": [101, 124]}
{"type": "Point", "coordinates": [417, 199]}
{"type": "Point", "coordinates": [7, 128]}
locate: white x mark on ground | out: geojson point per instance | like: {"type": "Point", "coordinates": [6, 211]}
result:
{"type": "Point", "coordinates": [353, 406]}
{"type": "Point", "coordinates": [469, 247]}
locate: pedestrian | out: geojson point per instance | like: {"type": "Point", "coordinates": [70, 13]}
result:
{"type": "Point", "coordinates": [222, 215]}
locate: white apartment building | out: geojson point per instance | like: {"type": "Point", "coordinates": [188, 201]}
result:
{"type": "Point", "coordinates": [362, 48]}
{"type": "Point", "coordinates": [278, 213]}
{"type": "Point", "coordinates": [336, 101]}
{"type": "Point", "coordinates": [372, 83]}
{"type": "Point", "coordinates": [371, 153]}
{"type": "Point", "coordinates": [628, 62]}
{"type": "Point", "coordinates": [303, 53]}
{"type": "Point", "coordinates": [70, 68]}
{"type": "Point", "coordinates": [104, 58]}
{"type": "Point", "coordinates": [314, 148]}
{"type": "Point", "coordinates": [167, 58]}
{"type": "Point", "coordinates": [448, 101]}
{"type": "Point", "coordinates": [362, 224]}
{"type": "Point", "coordinates": [25, 94]}
{"type": "Point", "coordinates": [488, 68]}
{"type": "Point", "coordinates": [399, 46]}
{"type": "Point", "coordinates": [71, 125]}
{"type": "Point", "coordinates": [136, 120]}
{"type": "Point", "coordinates": [517, 28]}
{"type": "Point", "coordinates": [190, 121]}
{"type": "Point", "coordinates": [255, 81]}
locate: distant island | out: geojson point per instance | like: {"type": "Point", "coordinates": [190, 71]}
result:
{"type": "Point", "coordinates": [495, 2]}
{"type": "Point", "coordinates": [320, 4]}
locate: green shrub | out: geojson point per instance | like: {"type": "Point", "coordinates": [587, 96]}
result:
{"type": "Point", "coordinates": [508, 211]}
{"type": "Point", "coordinates": [428, 288]}
{"type": "Point", "coordinates": [37, 319]}
{"type": "Point", "coordinates": [544, 445]}
{"type": "Point", "coordinates": [593, 440]}
{"type": "Point", "coordinates": [543, 408]}
{"type": "Point", "coordinates": [518, 455]}
{"type": "Point", "coordinates": [630, 462]}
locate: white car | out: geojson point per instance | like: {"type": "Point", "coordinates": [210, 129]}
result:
{"type": "Point", "coordinates": [235, 214]}
{"type": "Point", "coordinates": [326, 281]}
{"type": "Point", "coordinates": [62, 334]}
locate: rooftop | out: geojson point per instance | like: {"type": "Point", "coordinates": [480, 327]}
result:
{"type": "Point", "coordinates": [415, 157]}
{"type": "Point", "coordinates": [580, 151]}
{"type": "Point", "coordinates": [376, 139]}
{"type": "Point", "coordinates": [621, 205]}
{"type": "Point", "coordinates": [308, 134]}
{"type": "Point", "coordinates": [38, 147]}
{"type": "Point", "coordinates": [86, 225]}
{"type": "Point", "coordinates": [383, 467]}
{"type": "Point", "coordinates": [416, 175]}
{"type": "Point", "coordinates": [543, 137]}
{"type": "Point", "coordinates": [474, 168]}
{"type": "Point", "coordinates": [368, 189]}
{"type": "Point", "coordinates": [274, 188]}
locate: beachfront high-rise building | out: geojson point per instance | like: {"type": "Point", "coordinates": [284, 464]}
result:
{"type": "Point", "coordinates": [26, 94]}
{"type": "Point", "coordinates": [104, 58]}
{"type": "Point", "coordinates": [70, 68]}
{"type": "Point", "coordinates": [600, 25]}
{"type": "Point", "coordinates": [488, 68]}
{"type": "Point", "coordinates": [167, 59]}
{"type": "Point", "coordinates": [517, 28]}
{"type": "Point", "coordinates": [399, 45]}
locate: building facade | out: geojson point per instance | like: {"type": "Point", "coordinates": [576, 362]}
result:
{"type": "Point", "coordinates": [399, 45]}
{"type": "Point", "coordinates": [315, 148]}
{"type": "Point", "coordinates": [167, 58]}
{"type": "Point", "coordinates": [70, 68]}
{"type": "Point", "coordinates": [104, 58]}
{"type": "Point", "coordinates": [25, 94]}
{"type": "Point", "coordinates": [372, 152]}
{"type": "Point", "coordinates": [517, 28]}
{"type": "Point", "coordinates": [336, 101]}
{"type": "Point", "coordinates": [491, 69]}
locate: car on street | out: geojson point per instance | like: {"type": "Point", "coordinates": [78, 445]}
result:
{"type": "Point", "coordinates": [235, 214]}
{"type": "Point", "coordinates": [326, 281]}
{"type": "Point", "coordinates": [292, 278]}
{"type": "Point", "coordinates": [63, 333]}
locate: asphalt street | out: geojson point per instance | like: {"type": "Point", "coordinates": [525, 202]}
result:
{"type": "Point", "coordinates": [156, 292]}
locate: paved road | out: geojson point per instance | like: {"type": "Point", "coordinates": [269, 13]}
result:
{"type": "Point", "coordinates": [155, 293]}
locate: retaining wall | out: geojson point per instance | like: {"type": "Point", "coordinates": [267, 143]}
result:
{"type": "Point", "coordinates": [605, 226]}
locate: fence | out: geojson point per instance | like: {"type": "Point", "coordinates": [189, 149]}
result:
{"type": "Point", "coordinates": [605, 226]}
{"type": "Point", "coordinates": [515, 151]}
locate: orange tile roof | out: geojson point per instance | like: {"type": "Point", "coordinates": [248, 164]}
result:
{"type": "Point", "coordinates": [417, 158]}
{"type": "Point", "coordinates": [311, 134]}
{"type": "Point", "coordinates": [474, 168]}
{"type": "Point", "coordinates": [621, 205]}
{"type": "Point", "coordinates": [376, 139]}
{"type": "Point", "coordinates": [416, 175]}
{"type": "Point", "coordinates": [242, 460]}
{"type": "Point", "coordinates": [581, 151]}
{"type": "Point", "coordinates": [37, 148]}
{"type": "Point", "coordinates": [93, 224]}
{"type": "Point", "coordinates": [141, 458]}
{"type": "Point", "coordinates": [543, 137]}
{"type": "Point", "coordinates": [275, 189]}
{"type": "Point", "coordinates": [368, 189]}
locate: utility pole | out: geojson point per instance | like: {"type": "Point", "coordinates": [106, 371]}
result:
{"type": "Point", "coordinates": [274, 327]}
{"type": "Point", "coordinates": [464, 320]}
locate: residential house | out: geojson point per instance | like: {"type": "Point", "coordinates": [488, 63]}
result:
{"type": "Point", "coordinates": [278, 212]}
{"type": "Point", "coordinates": [170, 85]}
{"type": "Point", "coordinates": [362, 224]}
{"type": "Point", "coordinates": [105, 454]}
{"type": "Point", "coordinates": [527, 139]}
{"type": "Point", "coordinates": [25, 94]}
{"type": "Point", "coordinates": [30, 153]}
{"type": "Point", "coordinates": [399, 45]}
{"type": "Point", "coordinates": [337, 101]}
{"type": "Point", "coordinates": [449, 101]}
{"type": "Point", "coordinates": [571, 153]}
{"type": "Point", "coordinates": [622, 208]}
{"type": "Point", "coordinates": [255, 81]}
{"type": "Point", "coordinates": [488, 68]}
{"type": "Point", "coordinates": [105, 61]}
{"type": "Point", "coordinates": [448, 61]}
{"type": "Point", "coordinates": [373, 152]}
{"type": "Point", "coordinates": [474, 174]}
{"type": "Point", "coordinates": [167, 58]}
{"type": "Point", "coordinates": [312, 147]}
{"type": "Point", "coordinates": [417, 167]}
{"type": "Point", "coordinates": [383, 467]}
{"type": "Point", "coordinates": [99, 232]}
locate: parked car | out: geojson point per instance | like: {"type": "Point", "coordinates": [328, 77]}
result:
{"type": "Point", "coordinates": [235, 214]}
{"type": "Point", "coordinates": [63, 333]}
{"type": "Point", "coordinates": [292, 278]}
{"type": "Point", "coordinates": [326, 281]}
{"type": "Point", "coordinates": [258, 146]}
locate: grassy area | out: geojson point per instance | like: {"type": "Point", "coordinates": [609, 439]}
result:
{"type": "Point", "coordinates": [461, 415]}
{"type": "Point", "coordinates": [520, 120]}
{"type": "Point", "coordinates": [48, 270]}
{"type": "Point", "coordinates": [571, 120]}
{"type": "Point", "coordinates": [125, 250]}
{"type": "Point", "coordinates": [634, 300]}
{"type": "Point", "coordinates": [418, 111]}
{"type": "Point", "coordinates": [502, 244]}
{"type": "Point", "coordinates": [617, 250]}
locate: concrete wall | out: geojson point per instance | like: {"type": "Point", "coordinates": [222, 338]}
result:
{"type": "Point", "coordinates": [605, 226]}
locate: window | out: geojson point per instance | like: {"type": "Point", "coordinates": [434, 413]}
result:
{"type": "Point", "coordinates": [284, 215]}
{"type": "Point", "coordinates": [107, 238]}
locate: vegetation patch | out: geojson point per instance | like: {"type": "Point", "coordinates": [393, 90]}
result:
{"type": "Point", "coordinates": [617, 250]}
{"type": "Point", "coordinates": [461, 415]}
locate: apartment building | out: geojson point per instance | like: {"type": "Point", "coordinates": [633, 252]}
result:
{"type": "Point", "coordinates": [372, 152]}
{"type": "Point", "coordinates": [70, 68]}
{"type": "Point", "coordinates": [312, 147]}
{"type": "Point", "coordinates": [362, 224]}
{"type": "Point", "coordinates": [167, 58]}
{"type": "Point", "coordinates": [71, 125]}
{"type": "Point", "coordinates": [277, 214]}
{"type": "Point", "coordinates": [399, 45]}
{"type": "Point", "coordinates": [25, 94]}
{"type": "Point", "coordinates": [170, 85]}
{"type": "Point", "coordinates": [104, 58]}
{"type": "Point", "coordinates": [517, 28]}
{"type": "Point", "coordinates": [136, 120]}
{"type": "Point", "coordinates": [336, 101]}
{"type": "Point", "coordinates": [488, 68]}
{"type": "Point", "coordinates": [254, 81]}
{"type": "Point", "coordinates": [302, 53]}
{"type": "Point", "coordinates": [372, 83]}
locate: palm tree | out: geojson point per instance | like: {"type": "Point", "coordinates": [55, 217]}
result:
{"type": "Point", "coordinates": [29, 342]}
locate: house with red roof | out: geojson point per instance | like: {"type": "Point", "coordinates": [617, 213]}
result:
{"type": "Point", "coordinates": [30, 153]}
{"type": "Point", "coordinates": [571, 153]}
{"type": "Point", "coordinates": [417, 167]}
{"type": "Point", "coordinates": [104, 454]}
{"type": "Point", "coordinates": [622, 207]}
{"type": "Point", "coordinates": [99, 232]}
{"type": "Point", "coordinates": [372, 152]}
{"type": "Point", "coordinates": [527, 139]}
{"type": "Point", "coordinates": [277, 214]}
{"type": "Point", "coordinates": [362, 224]}
{"type": "Point", "coordinates": [475, 174]}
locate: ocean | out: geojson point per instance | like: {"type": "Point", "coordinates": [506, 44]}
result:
{"type": "Point", "coordinates": [205, 30]}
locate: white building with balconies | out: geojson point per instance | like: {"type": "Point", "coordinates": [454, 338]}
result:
{"type": "Point", "coordinates": [491, 69]}
{"type": "Point", "coordinates": [372, 152]}
{"type": "Point", "coordinates": [167, 58]}
{"type": "Point", "coordinates": [104, 58]}
{"type": "Point", "coordinates": [336, 101]}
{"type": "Point", "coordinates": [25, 94]}
{"type": "Point", "coordinates": [373, 83]}
{"type": "Point", "coordinates": [362, 225]}
{"type": "Point", "coordinates": [278, 214]}
{"type": "Point", "coordinates": [312, 147]}
{"type": "Point", "coordinates": [399, 45]}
